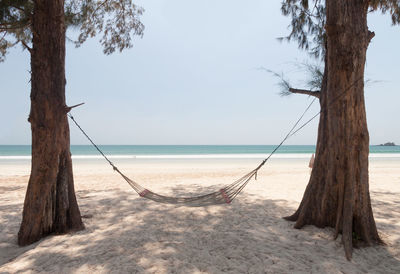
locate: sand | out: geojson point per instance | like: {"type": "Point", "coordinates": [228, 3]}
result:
{"type": "Point", "coordinates": [126, 233]}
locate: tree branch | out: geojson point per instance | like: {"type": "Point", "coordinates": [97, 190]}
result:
{"type": "Point", "coordinates": [18, 8]}
{"type": "Point", "coordinates": [68, 109]}
{"type": "Point", "coordinates": [26, 46]}
{"type": "Point", "coordinates": [5, 33]}
{"type": "Point", "coordinates": [99, 6]}
{"type": "Point", "coordinates": [371, 35]}
{"type": "Point", "coordinates": [304, 91]}
{"type": "Point", "coordinates": [11, 26]}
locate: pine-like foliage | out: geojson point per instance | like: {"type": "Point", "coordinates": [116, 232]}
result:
{"type": "Point", "coordinates": [117, 20]}
{"type": "Point", "coordinates": [15, 20]}
{"type": "Point", "coordinates": [308, 21]}
{"type": "Point", "coordinates": [307, 25]}
{"type": "Point", "coordinates": [387, 6]}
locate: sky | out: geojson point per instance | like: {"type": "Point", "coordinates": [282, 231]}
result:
{"type": "Point", "coordinates": [194, 79]}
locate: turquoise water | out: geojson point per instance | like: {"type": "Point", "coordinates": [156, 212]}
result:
{"type": "Point", "coordinates": [135, 150]}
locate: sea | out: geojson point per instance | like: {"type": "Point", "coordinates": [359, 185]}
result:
{"type": "Point", "coordinates": [23, 152]}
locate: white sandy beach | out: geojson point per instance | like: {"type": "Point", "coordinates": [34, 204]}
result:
{"type": "Point", "coordinates": [128, 234]}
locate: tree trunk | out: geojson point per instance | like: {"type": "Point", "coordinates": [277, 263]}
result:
{"type": "Point", "coordinates": [50, 204]}
{"type": "Point", "coordinates": [337, 194]}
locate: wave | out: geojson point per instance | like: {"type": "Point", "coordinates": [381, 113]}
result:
{"type": "Point", "coordinates": [204, 156]}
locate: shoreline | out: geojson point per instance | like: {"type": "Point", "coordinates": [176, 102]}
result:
{"type": "Point", "coordinates": [9, 167]}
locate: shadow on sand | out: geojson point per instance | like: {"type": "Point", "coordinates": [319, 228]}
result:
{"type": "Point", "coordinates": [125, 233]}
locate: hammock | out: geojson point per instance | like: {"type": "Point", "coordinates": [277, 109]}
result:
{"type": "Point", "coordinates": [224, 195]}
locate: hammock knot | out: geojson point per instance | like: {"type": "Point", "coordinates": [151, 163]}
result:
{"type": "Point", "coordinates": [144, 192]}
{"type": "Point", "coordinates": [226, 197]}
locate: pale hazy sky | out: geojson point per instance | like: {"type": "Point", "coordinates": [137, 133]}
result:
{"type": "Point", "coordinates": [192, 79]}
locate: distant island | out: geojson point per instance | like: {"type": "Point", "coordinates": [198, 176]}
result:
{"type": "Point", "coordinates": [388, 144]}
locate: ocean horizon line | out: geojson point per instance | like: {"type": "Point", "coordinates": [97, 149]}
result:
{"type": "Point", "coordinates": [99, 144]}
{"type": "Point", "coordinates": [166, 145]}
{"type": "Point", "coordinates": [204, 156]}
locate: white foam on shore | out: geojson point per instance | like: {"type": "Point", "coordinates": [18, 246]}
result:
{"type": "Point", "coordinates": [204, 156]}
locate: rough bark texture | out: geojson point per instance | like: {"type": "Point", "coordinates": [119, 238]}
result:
{"type": "Point", "coordinates": [337, 194]}
{"type": "Point", "coordinates": [50, 203]}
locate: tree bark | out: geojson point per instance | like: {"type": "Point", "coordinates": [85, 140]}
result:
{"type": "Point", "coordinates": [50, 204]}
{"type": "Point", "coordinates": [337, 194]}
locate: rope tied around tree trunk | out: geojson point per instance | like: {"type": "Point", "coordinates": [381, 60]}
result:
{"type": "Point", "coordinates": [226, 194]}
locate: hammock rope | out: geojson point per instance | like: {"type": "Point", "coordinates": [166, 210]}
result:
{"type": "Point", "coordinates": [224, 195]}
{"type": "Point", "coordinates": [228, 193]}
